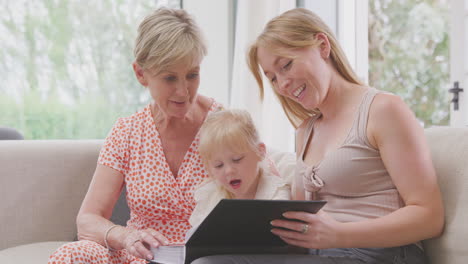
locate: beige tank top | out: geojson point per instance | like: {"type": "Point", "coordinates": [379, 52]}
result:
{"type": "Point", "coordinates": [352, 179]}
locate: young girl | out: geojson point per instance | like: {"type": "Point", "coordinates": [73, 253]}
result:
{"type": "Point", "coordinates": [234, 156]}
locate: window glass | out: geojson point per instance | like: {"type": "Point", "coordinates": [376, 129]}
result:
{"type": "Point", "coordinates": [65, 65]}
{"type": "Point", "coordinates": [409, 54]}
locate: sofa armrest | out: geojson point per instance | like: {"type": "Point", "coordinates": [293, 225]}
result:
{"type": "Point", "coordinates": [43, 183]}
{"type": "Point", "coordinates": [449, 150]}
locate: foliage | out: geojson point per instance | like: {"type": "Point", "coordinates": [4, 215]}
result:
{"type": "Point", "coordinates": [66, 70]}
{"type": "Point", "coordinates": [65, 65]}
{"type": "Point", "coordinates": [409, 54]}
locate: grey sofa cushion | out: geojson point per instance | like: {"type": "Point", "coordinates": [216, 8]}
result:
{"type": "Point", "coordinates": [121, 212]}
{"type": "Point", "coordinates": [7, 133]}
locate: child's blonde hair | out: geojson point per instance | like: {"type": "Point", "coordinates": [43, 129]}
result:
{"type": "Point", "coordinates": [233, 128]}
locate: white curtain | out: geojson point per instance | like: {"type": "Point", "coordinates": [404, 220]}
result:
{"type": "Point", "coordinates": [275, 129]}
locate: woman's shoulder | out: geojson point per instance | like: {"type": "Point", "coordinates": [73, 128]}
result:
{"type": "Point", "coordinates": [139, 117]}
{"type": "Point", "coordinates": [388, 112]}
{"type": "Point", "coordinates": [386, 105]}
{"type": "Point", "coordinates": [209, 104]}
{"type": "Point", "coordinates": [126, 126]}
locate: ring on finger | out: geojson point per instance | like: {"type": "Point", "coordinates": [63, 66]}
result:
{"type": "Point", "coordinates": [305, 228]}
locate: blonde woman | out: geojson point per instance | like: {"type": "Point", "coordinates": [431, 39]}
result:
{"type": "Point", "coordinates": [153, 152]}
{"type": "Point", "coordinates": [236, 161]}
{"type": "Point", "coordinates": [360, 149]}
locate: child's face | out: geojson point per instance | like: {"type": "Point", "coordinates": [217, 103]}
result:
{"type": "Point", "coordinates": [237, 172]}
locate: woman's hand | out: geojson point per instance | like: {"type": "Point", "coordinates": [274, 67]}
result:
{"type": "Point", "coordinates": [139, 242]}
{"type": "Point", "coordinates": [315, 231]}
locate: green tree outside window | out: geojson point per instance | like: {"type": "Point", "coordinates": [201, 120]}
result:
{"type": "Point", "coordinates": [65, 66]}
{"type": "Point", "coordinates": [409, 54]}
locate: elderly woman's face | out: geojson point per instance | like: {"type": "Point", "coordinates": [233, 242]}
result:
{"type": "Point", "coordinates": [175, 88]}
{"type": "Point", "coordinates": [303, 76]}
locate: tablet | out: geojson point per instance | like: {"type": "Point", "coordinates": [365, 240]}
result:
{"type": "Point", "coordinates": [242, 222]}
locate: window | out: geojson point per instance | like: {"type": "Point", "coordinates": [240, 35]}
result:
{"type": "Point", "coordinates": [406, 50]}
{"type": "Point", "coordinates": [65, 65]}
{"type": "Point", "coordinates": [409, 54]}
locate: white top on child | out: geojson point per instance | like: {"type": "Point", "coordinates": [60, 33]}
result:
{"type": "Point", "coordinates": [271, 186]}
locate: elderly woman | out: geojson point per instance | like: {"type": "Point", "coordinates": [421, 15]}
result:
{"type": "Point", "coordinates": [154, 152]}
{"type": "Point", "coordinates": [360, 149]}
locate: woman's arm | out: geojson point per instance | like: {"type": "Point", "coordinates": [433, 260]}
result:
{"type": "Point", "coordinates": [394, 130]}
{"type": "Point", "coordinates": [98, 204]}
{"type": "Point", "coordinates": [97, 207]}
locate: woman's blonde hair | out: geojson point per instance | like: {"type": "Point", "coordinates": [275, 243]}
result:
{"type": "Point", "coordinates": [231, 128]}
{"type": "Point", "coordinates": [297, 28]}
{"type": "Point", "coordinates": [167, 37]}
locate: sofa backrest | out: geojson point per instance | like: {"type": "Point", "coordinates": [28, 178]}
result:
{"type": "Point", "coordinates": [449, 149]}
{"type": "Point", "coordinates": [42, 185]}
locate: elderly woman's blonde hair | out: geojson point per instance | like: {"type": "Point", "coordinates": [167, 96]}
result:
{"type": "Point", "coordinates": [231, 128]}
{"type": "Point", "coordinates": [168, 37]}
{"type": "Point", "coordinates": [297, 28]}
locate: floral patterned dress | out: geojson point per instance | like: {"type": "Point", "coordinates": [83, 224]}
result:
{"type": "Point", "coordinates": [155, 197]}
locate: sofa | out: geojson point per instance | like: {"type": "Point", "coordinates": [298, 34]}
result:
{"type": "Point", "coordinates": [42, 184]}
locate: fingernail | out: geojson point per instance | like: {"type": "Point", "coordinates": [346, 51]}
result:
{"type": "Point", "coordinates": [155, 244]}
{"type": "Point", "coordinates": [149, 256]}
{"type": "Point", "coordinates": [167, 242]}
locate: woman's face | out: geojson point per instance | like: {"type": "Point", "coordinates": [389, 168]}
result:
{"type": "Point", "coordinates": [303, 76]}
{"type": "Point", "coordinates": [174, 89]}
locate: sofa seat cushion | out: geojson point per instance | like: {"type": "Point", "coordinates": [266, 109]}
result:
{"type": "Point", "coordinates": [29, 253]}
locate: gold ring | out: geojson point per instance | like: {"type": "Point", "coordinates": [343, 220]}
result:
{"type": "Point", "coordinates": [305, 228]}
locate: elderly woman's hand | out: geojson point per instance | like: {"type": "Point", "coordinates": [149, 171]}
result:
{"type": "Point", "coordinates": [138, 242]}
{"type": "Point", "coordinates": [315, 231]}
